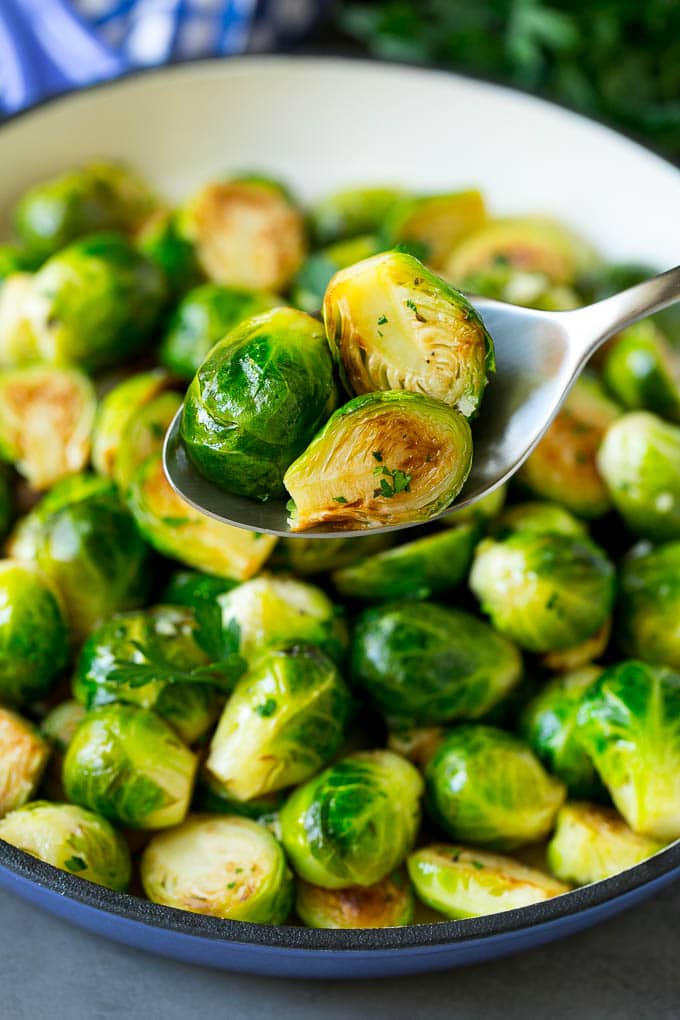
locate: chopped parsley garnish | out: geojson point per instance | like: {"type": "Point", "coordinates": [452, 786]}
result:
{"type": "Point", "coordinates": [75, 864]}
{"type": "Point", "coordinates": [266, 709]}
{"type": "Point", "coordinates": [477, 864]}
{"type": "Point", "coordinates": [410, 303]}
{"type": "Point", "coordinates": [339, 499]}
{"type": "Point", "coordinates": [378, 456]}
{"type": "Point", "coordinates": [382, 320]}
{"type": "Point", "coordinates": [392, 481]}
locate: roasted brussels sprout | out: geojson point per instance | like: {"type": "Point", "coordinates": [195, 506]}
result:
{"type": "Point", "coordinates": [126, 764]}
{"type": "Point", "coordinates": [384, 458]}
{"type": "Point", "coordinates": [46, 418]}
{"type": "Point", "coordinates": [643, 371]}
{"type": "Point", "coordinates": [629, 725]}
{"type": "Point", "coordinates": [310, 283]}
{"type": "Point", "coordinates": [353, 211]}
{"type": "Point", "coordinates": [23, 756]}
{"type": "Point", "coordinates": [544, 591]}
{"type": "Point", "coordinates": [538, 518]}
{"type": "Point", "coordinates": [160, 240]}
{"type": "Point", "coordinates": [34, 639]}
{"type": "Point", "coordinates": [247, 234]}
{"type": "Point", "coordinates": [387, 904]}
{"type": "Point", "coordinates": [648, 624]}
{"type": "Point", "coordinates": [640, 462]}
{"type": "Point", "coordinates": [434, 224]}
{"type": "Point", "coordinates": [549, 726]}
{"type": "Point", "coordinates": [485, 786]}
{"type": "Point", "coordinates": [461, 882]}
{"type": "Point", "coordinates": [70, 838]}
{"type": "Point", "coordinates": [226, 866]}
{"type": "Point", "coordinates": [306, 556]}
{"type": "Point", "coordinates": [118, 410]}
{"type": "Point", "coordinates": [394, 325]}
{"type": "Point", "coordinates": [60, 724]}
{"type": "Point", "coordinates": [257, 400]}
{"type": "Point", "coordinates": [354, 823]}
{"type": "Point", "coordinates": [592, 842]}
{"type": "Point", "coordinates": [427, 664]}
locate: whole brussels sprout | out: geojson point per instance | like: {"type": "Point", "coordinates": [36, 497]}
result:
{"type": "Point", "coordinates": [126, 764]}
{"type": "Point", "coordinates": [434, 224]}
{"type": "Point", "coordinates": [46, 418]}
{"type": "Point", "coordinates": [310, 283]}
{"type": "Point", "coordinates": [204, 316]}
{"type": "Point", "coordinates": [285, 720]}
{"type": "Point", "coordinates": [640, 462]}
{"type": "Point", "coordinates": [354, 823]}
{"type": "Point", "coordinates": [350, 212]}
{"type": "Point", "coordinates": [429, 664]}
{"type": "Point", "coordinates": [34, 638]}
{"type": "Point", "coordinates": [226, 866]}
{"type": "Point", "coordinates": [549, 727]}
{"type": "Point", "coordinates": [461, 882]}
{"type": "Point", "coordinates": [643, 371]}
{"type": "Point", "coordinates": [305, 556]}
{"type": "Point", "coordinates": [161, 241]}
{"type": "Point", "coordinates": [60, 724]}
{"type": "Point", "coordinates": [177, 530]}
{"type": "Point", "coordinates": [592, 842]}
{"type": "Point", "coordinates": [387, 904]}
{"type": "Point", "coordinates": [648, 625]}
{"type": "Point", "coordinates": [383, 458]}
{"type": "Point", "coordinates": [257, 400]}
{"type": "Point", "coordinates": [485, 786]}
{"type": "Point", "coordinates": [629, 725]}
{"type": "Point", "coordinates": [14, 259]}
{"type": "Point", "coordinates": [23, 757]}
{"type": "Point", "coordinates": [394, 325]}
{"type": "Point", "coordinates": [70, 838]}
{"type": "Point", "coordinates": [544, 591]}
{"type": "Point", "coordinates": [118, 410]}
{"type": "Point", "coordinates": [538, 518]}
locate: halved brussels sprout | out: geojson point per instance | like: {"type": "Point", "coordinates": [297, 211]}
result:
{"type": "Point", "coordinates": [204, 316]}
{"type": "Point", "coordinates": [285, 720]}
{"type": "Point", "coordinates": [70, 838]}
{"type": "Point", "coordinates": [394, 325]}
{"type": "Point", "coordinates": [629, 725]}
{"type": "Point", "coordinates": [427, 664]}
{"type": "Point", "coordinates": [98, 196]}
{"type": "Point", "coordinates": [61, 722]}
{"type": "Point", "coordinates": [126, 764]}
{"type": "Point", "coordinates": [416, 569]}
{"type": "Point", "coordinates": [246, 232]}
{"type": "Point", "coordinates": [549, 726]}
{"type": "Point", "coordinates": [310, 283]}
{"type": "Point", "coordinates": [485, 786]}
{"type": "Point", "coordinates": [119, 408]}
{"type": "Point", "coordinates": [177, 530]}
{"type": "Point", "coordinates": [387, 904]}
{"type": "Point", "coordinates": [34, 638]}
{"type": "Point", "coordinates": [226, 866]}
{"type": "Point", "coordinates": [160, 240]}
{"type": "Point", "coordinates": [545, 591]}
{"type": "Point", "coordinates": [384, 458]}
{"type": "Point", "coordinates": [564, 466]}
{"type": "Point", "coordinates": [461, 882]}
{"type": "Point", "coordinates": [643, 371]}
{"type": "Point", "coordinates": [640, 462]}
{"type": "Point", "coordinates": [354, 823]}
{"type": "Point", "coordinates": [257, 400]}
{"type": "Point", "coordinates": [353, 211]}
{"type": "Point", "coordinates": [23, 757]}
{"type": "Point", "coordinates": [305, 556]}
{"type": "Point", "coordinates": [434, 223]}
{"type": "Point", "coordinates": [538, 518]}
{"type": "Point", "coordinates": [417, 743]}
{"type": "Point", "coordinates": [592, 842]}
{"type": "Point", "coordinates": [649, 605]}
{"type": "Point", "coordinates": [46, 419]}
{"type": "Point", "coordinates": [14, 259]}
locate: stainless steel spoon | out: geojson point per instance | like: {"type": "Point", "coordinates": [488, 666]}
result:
{"type": "Point", "coordinates": [539, 355]}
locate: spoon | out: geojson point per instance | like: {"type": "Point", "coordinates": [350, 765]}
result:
{"type": "Point", "coordinates": [539, 356]}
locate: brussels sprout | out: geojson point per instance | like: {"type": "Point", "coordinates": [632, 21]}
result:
{"type": "Point", "coordinates": [152, 658]}
{"type": "Point", "coordinates": [199, 592]}
{"type": "Point", "coordinates": [591, 842]}
{"type": "Point", "coordinates": [70, 838]}
{"type": "Point", "coordinates": [545, 591]}
{"type": "Point", "coordinates": [567, 659]}
{"type": "Point", "coordinates": [427, 664]}
{"type": "Point", "coordinates": [387, 904]}
{"type": "Point", "coordinates": [539, 519]}
{"type": "Point", "coordinates": [502, 282]}
{"type": "Point", "coordinates": [60, 724]}
{"type": "Point", "coordinates": [246, 232]}
{"type": "Point", "coordinates": [354, 823]}
{"type": "Point", "coordinates": [417, 743]}
{"type": "Point", "coordinates": [384, 458]}
{"type": "Point", "coordinates": [317, 555]}
{"type": "Point", "coordinates": [640, 462]}
{"type": "Point", "coordinates": [285, 720]}
{"type": "Point", "coordinates": [161, 241]}
{"type": "Point", "coordinates": [204, 316]}
{"type": "Point", "coordinates": [643, 371]}
{"type": "Point", "coordinates": [649, 606]}
{"type": "Point", "coordinates": [23, 757]}
{"type": "Point", "coordinates": [87, 545]}
{"type": "Point", "coordinates": [99, 196]}
{"type": "Point", "coordinates": [416, 569]}
{"type": "Point", "coordinates": [351, 212]}
{"type": "Point", "coordinates": [394, 325]}
{"type": "Point", "coordinates": [46, 418]}
{"type": "Point", "coordinates": [460, 882]}
{"type": "Point", "coordinates": [225, 866]}
{"type": "Point", "coordinates": [6, 502]}
{"type": "Point", "coordinates": [257, 401]}
{"type": "Point", "coordinates": [175, 529]}
{"type": "Point", "coordinates": [436, 222]}
{"type": "Point", "coordinates": [549, 726]}
{"type": "Point", "coordinates": [127, 765]}
{"type": "Point", "coordinates": [485, 786]}
{"type": "Point", "coordinates": [14, 259]}
{"type": "Point", "coordinates": [119, 408]}
{"type": "Point", "coordinates": [563, 466]}
{"type": "Point", "coordinates": [629, 725]}
{"type": "Point", "coordinates": [34, 639]}
{"type": "Point", "coordinates": [310, 283]}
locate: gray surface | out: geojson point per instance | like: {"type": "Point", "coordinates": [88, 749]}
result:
{"type": "Point", "coordinates": [626, 968]}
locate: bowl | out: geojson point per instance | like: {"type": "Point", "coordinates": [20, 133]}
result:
{"type": "Point", "coordinates": [319, 123]}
